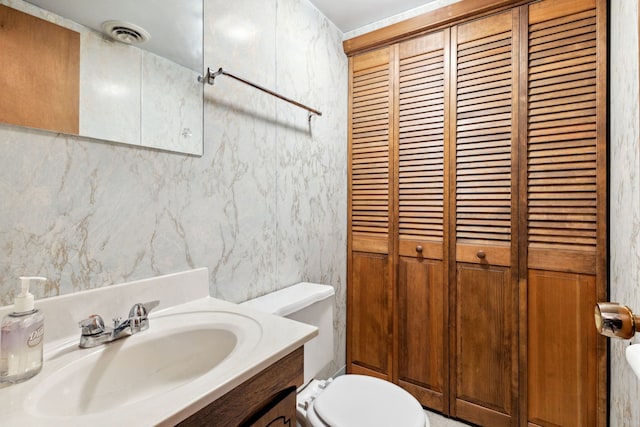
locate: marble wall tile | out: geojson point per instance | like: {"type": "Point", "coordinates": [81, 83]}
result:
{"type": "Point", "coordinates": [264, 207]}
{"type": "Point", "coordinates": [288, 214]}
{"type": "Point", "coordinates": [624, 196]}
{"type": "Point", "coordinates": [311, 159]}
{"type": "Point", "coordinates": [241, 139]}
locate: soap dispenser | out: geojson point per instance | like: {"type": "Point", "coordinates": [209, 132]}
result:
{"type": "Point", "coordinates": [21, 337]}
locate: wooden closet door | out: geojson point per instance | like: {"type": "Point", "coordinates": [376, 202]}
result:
{"type": "Point", "coordinates": [370, 291]}
{"type": "Point", "coordinates": [422, 119]}
{"type": "Point", "coordinates": [566, 213]}
{"type": "Point", "coordinates": [484, 220]}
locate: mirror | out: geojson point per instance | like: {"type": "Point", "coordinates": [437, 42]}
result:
{"type": "Point", "coordinates": [144, 94]}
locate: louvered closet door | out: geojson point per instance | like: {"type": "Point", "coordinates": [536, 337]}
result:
{"type": "Point", "coordinates": [484, 223]}
{"type": "Point", "coordinates": [566, 210]}
{"type": "Point", "coordinates": [370, 296]}
{"type": "Point", "coordinates": [422, 367]}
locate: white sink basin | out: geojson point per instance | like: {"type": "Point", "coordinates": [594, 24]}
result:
{"type": "Point", "coordinates": [176, 349]}
{"type": "Point", "coordinates": [633, 357]}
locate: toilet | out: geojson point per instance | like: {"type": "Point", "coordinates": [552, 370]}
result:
{"type": "Point", "coordinates": [348, 400]}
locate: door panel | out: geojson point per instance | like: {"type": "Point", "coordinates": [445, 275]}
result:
{"type": "Point", "coordinates": [370, 146]}
{"type": "Point", "coordinates": [561, 369]}
{"type": "Point", "coordinates": [562, 137]}
{"type": "Point", "coordinates": [421, 333]}
{"type": "Point", "coordinates": [370, 295]}
{"type": "Point", "coordinates": [566, 212]}
{"type": "Point", "coordinates": [421, 141]}
{"type": "Point", "coordinates": [484, 219]}
{"type": "Point", "coordinates": [485, 333]}
{"type": "Point", "coordinates": [370, 308]}
{"type": "Point", "coordinates": [421, 188]}
{"type": "Point", "coordinates": [485, 124]}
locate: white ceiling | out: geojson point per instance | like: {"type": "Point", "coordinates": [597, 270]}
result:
{"type": "Point", "coordinates": [351, 14]}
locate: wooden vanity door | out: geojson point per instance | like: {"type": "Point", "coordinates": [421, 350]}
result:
{"type": "Point", "coordinates": [484, 114]}
{"type": "Point", "coordinates": [281, 414]}
{"type": "Point", "coordinates": [422, 367]}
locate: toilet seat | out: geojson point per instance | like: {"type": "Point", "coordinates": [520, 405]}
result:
{"type": "Point", "coordinates": [363, 401]}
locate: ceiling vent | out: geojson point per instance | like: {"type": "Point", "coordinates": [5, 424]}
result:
{"type": "Point", "coordinates": [125, 32]}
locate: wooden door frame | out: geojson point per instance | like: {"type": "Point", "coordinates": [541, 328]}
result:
{"type": "Point", "coordinates": [463, 11]}
{"type": "Point", "coordinates": [429, 21]}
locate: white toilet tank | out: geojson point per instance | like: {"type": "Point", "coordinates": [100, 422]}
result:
{"type": "Point", "coordinates": [309, 303]}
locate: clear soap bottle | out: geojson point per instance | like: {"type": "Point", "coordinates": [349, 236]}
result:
{"type": "Point", "coordinates": [21, 337]}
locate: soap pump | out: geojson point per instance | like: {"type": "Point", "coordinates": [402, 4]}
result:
{"type": "Point", "coordinates": [21, 337]}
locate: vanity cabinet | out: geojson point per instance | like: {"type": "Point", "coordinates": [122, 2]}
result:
{"type": "Point", "coordinates": [267, 399]}
{"type": "Point", "coordinates": [477, 210]}
{"type": "Point", "coordinates": [280, 413]}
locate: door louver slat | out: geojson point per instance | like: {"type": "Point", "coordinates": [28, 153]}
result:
{"type": "Point", "coordinates": [562, 133]}
{"type": "Point", "coordinates": [370, 152]}
{"type": "Point", "coordinates": [483, 140]}
{"type": "Point", "coordinates": [421, 146]}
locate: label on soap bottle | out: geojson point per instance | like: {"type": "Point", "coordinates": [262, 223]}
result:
{"type": "Point", "coordinates": [35, 337]}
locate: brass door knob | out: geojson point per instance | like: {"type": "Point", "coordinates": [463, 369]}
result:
{"type": "Point", "coordinates": [615, 320]}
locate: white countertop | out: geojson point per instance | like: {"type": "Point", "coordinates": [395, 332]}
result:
{"type": "Point", "coordinates": [278, 337]}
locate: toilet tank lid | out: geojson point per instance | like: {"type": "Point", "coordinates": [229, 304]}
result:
{"type": "Point", "coordinates": [289, 300]}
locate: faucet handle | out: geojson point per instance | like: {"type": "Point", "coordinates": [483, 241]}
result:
{"type": "Point", "coordinates": [142, 309]}
{"type": "Point", "coordinates": [92, 325]}
{"type": "Point", "coordinates": [138, 320]}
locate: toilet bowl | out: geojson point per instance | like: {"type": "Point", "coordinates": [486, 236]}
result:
{"type": "Point", "coordinates": [358, 400]}
{"type": "Point", "coordinates": [348, 400]}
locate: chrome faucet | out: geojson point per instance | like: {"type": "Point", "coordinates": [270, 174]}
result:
{"type": "Point", "coordinates": [94, 332]}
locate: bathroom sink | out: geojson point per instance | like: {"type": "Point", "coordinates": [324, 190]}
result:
{"type": "Point", "coordinates": [196, 350]}
{"type": "Point", "coordinates": [177, 349]}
